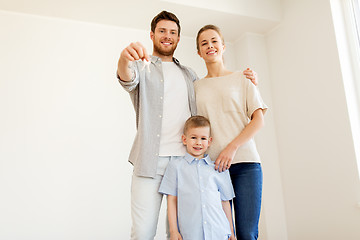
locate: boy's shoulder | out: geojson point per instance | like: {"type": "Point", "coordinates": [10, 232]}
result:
{"type": "Point", "coordinates": [176, 161]}
{"type": "Point", "coordinates": [211, 165]}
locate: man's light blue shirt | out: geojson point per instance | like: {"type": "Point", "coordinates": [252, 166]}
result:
{"type": "Point", "coordinates": [199, 189]}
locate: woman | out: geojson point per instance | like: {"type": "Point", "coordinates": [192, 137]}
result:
{"type": "Point", "coordinates": [235, 109]}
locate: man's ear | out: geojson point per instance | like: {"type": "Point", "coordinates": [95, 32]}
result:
{"type": "Point", "coordinates": [183, 138]}
{"type": "Point", "coordinates": [151, 35]}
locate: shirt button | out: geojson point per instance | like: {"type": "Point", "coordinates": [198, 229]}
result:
{"type": "Point", "coordinates": [159, 116]}
{"type": "Point", "coordinates": [158, 135]}
{"type": "Point", "coordinates": [205, 222]}
{"type": "Point", "coordinates": [161, 97]}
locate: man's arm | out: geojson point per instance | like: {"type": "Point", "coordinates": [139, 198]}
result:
{"type": "Point", "coordinates": [172, 216]}
{"type": "Point", "coordinates": [133, 52]}
{"type": "Point", "coordinates": [227, 209]}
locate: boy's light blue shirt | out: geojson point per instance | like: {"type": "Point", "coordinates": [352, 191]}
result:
{"type": "Point", "coordinates": [199, 189]}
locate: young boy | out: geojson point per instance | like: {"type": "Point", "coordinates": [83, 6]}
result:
{"type": "Point", "coordinates": [198, 195]}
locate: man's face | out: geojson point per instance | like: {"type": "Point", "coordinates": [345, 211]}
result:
{"type": "Point", "coordinates": [165, 38]}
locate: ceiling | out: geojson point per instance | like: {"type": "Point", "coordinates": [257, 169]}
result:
{"type": "Point", "coordinates": [234, 17]}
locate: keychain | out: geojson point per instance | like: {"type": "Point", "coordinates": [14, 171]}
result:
{"type": "Point", "coordinates": [146, 64]}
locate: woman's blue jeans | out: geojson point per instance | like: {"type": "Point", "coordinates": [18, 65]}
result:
{"type": "Point", "coordinates": [247, 181]}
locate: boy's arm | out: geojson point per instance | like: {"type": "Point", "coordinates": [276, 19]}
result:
{"type": "Point", "coordinates": [227, 209]}
{"type": "Point", "coordinates": [172, 216]}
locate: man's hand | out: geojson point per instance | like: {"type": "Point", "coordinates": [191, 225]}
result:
{"type": "Point", "coordinates": [251, 75]}
{"type": "Point", "coordinates": [135, 51]}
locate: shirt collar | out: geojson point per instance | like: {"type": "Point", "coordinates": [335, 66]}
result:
{"type": "Point", "coordinates": [189, 158]}
{"type": "Point", "coordinates": [155, 59]}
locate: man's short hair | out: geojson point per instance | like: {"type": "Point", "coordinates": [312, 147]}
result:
{"type": "Point", "coordinates": [196, 122]}
{"type": "Point", "coordinates": [164, 15]}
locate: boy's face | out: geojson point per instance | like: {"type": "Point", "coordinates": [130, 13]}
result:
{"type": "Point", "coordinates": [197, 140]}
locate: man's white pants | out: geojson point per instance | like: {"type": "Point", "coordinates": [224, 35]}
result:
{"type": "Point", "coordinates": [146, 203]}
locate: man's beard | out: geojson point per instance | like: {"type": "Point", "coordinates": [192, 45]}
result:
{"type": "Point", "coordinates": [168, 52]}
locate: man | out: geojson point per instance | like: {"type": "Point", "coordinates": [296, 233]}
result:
{"type": "Point", "coordinates": [163, 98]}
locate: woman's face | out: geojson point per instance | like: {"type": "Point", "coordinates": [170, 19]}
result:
{"type": "Point", "coordinates": [211, 47]}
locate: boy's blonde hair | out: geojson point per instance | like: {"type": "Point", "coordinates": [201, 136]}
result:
{"type": "Point", "coordinates": [195, 122]}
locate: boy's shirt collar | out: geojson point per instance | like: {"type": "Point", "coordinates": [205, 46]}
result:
{"type": "Point", "coordinates": [190, 159]}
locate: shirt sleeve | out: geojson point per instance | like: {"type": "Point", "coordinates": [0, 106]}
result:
{"type": "Point", "coordinates": [225, 186]}
{"type": "Point", "coordinates": [169, 183]}
{"type": "Point", "coordinates": [253, 99]}
{"type": "Point", "coordinates": [193, 74]}
{"type": "Point", "coordinates": [129, 86]}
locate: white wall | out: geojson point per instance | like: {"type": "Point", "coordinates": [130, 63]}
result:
{"type": "Point", "coordinates": [63, 142]}
{"type": "Point", "coordinates": [318, 165]}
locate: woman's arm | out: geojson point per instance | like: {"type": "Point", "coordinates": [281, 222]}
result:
{"type": "Point", "coordinates": [226, 156]}
{"type": "Point", "coordinates": [172, 216]}
{"type": "Point", "coordinates": [227, 209]}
